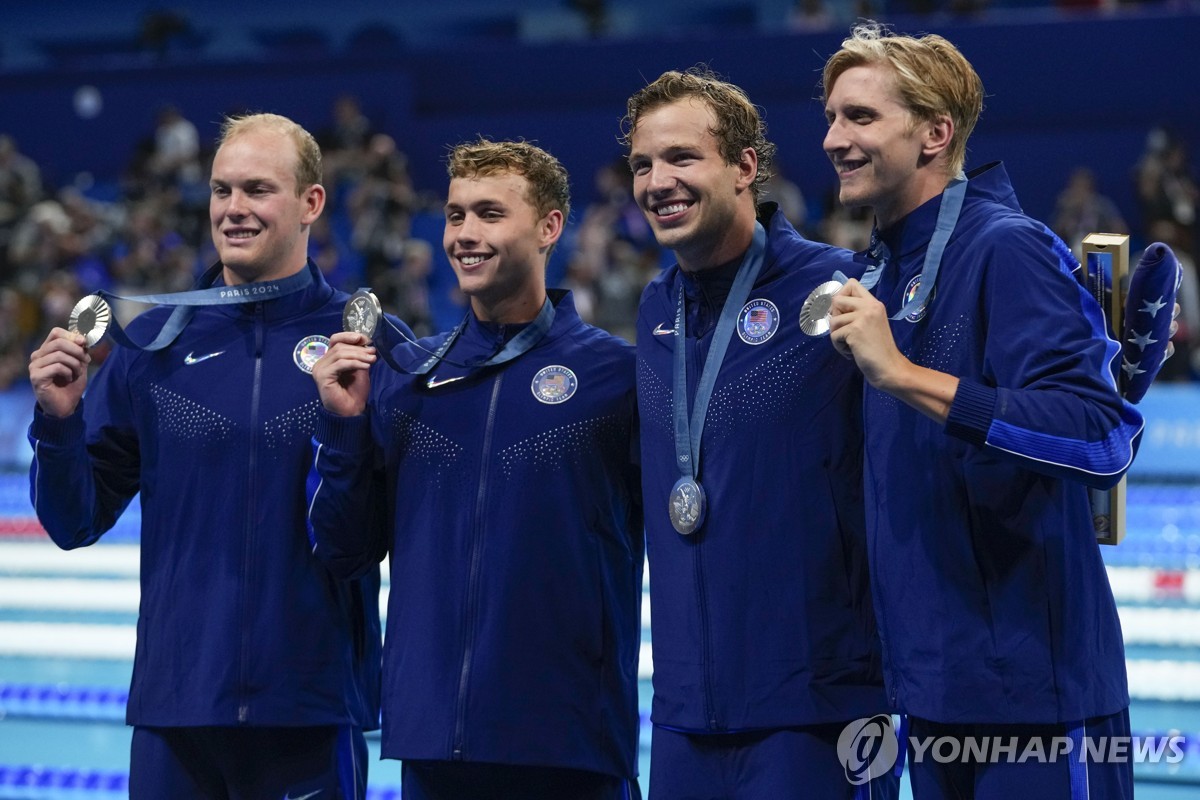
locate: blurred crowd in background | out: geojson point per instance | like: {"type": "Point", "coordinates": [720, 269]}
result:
{"type": "Point", "coordinates": [150, 233]}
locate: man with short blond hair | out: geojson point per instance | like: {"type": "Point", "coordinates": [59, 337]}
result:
{"type": "Point", "coordinates": [256, 671]}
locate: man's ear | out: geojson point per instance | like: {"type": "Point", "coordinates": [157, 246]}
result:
{"type": "Point", "coordinates": [550, 228]}
{"type": "Point", "coordinates": [936, 136]}
{"type": "Point", "coordinates": [314, 203]}
{"type": "Point", "coordinates": [747, 168]}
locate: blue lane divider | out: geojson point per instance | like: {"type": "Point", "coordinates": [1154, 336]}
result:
{"type": "Point", "coordinates": [63, 702]}
{"type": "Point", "coordinates": [53, 783]}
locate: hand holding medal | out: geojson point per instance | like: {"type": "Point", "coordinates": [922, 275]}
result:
{"type": "Point", "coordinates": [58, 369]}
{"type": "Point", "coordinates": [814, 314]}
{"type": "Point", "coordinates": [362, 313]}
{"type": "Point", "coordinates": [90, 319]}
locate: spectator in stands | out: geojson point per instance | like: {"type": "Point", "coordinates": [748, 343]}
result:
{"type": "Point", "coordinates": [1167, 192]}
{"type": "Point", "coordinates": [787, 194]}
{"type": "Point", "coordinates": [345, 143]}
{"type": "Point", "coordinates": [12, 340]}
{"type": "Point", "coordinates": [612, 240]}
{"type": "Point", "coordinates": [176, 158]}
{"type": "Point", "coordinates": [381, 206]}
{"type": "Point", "coordinates": [1081, 210]}
{"type": "Point", "coordinates": [20, 188]}
{"type": "Point", "coordinates": [404, 286]}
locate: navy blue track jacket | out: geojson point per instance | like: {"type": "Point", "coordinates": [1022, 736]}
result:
{"type": "Point", "coordinates": [762, 617]}
{"type": "Point", "coordinates": [515, 551]}
{"type": "Point", "coordinates": [239, 623]}
{"type": "Point", "coordinates": [993, 602]}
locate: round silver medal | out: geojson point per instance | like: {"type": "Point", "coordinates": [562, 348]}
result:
{"type": "Point", "coordinates": [90, 318]}
{"type": "Point", "coordinates": [686, 505]}
{"type": "Point", "coordinates": [362, 313]}
{"type": "Point", "coordinates": [814, 314]}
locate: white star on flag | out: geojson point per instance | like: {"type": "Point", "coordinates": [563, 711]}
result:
{"type": "Point", "coordinates": [1152, 307]}
{"type": "Point", "coordinates": [1141, 339]}
{"type": "Point", "coordinates": [1131, 368]}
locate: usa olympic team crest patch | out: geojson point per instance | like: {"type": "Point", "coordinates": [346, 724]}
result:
{"type": "Point", "coordinates": [554, 384]}
{"type": "Point", "coordinates": [758, 321]}
{"type": "Point", "coordinates": [308, 351]}
{"type": "Point", "coordinates": [910, 292]}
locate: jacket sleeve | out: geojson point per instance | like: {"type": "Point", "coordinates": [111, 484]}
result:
{"type": "Point", "coordinates": [347, 521]}
{"type": "Point", "coordinates": [85, 467]}
{"type": "Point", "coordinates": [1046, 395]}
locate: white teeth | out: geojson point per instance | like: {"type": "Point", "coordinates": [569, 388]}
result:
{"type": "Point", "coordinates": [242, 235]}
{"type": "Point", "coordinates": [470, 261]}
{"type": "Point", "coordinates": [674, 208]}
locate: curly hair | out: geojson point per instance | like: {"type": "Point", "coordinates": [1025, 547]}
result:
{"type": "Point", "coordinates": [932, 79]}
{"type": "Point", "coordinates": [549, 185]}
{"type": "Point", "coordinates": [308, 153]}
{"type": "Point", "coordinates": [739, 122]}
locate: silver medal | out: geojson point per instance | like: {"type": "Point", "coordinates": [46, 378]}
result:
{"type": "Point", "coordinates": [90, 318]}
{"type": "Point", "coordinates": [814, 314]}
{"type": "Point", "coordinates": [362, 313]}
{"type": "Point", "coordinates": [686, 505]}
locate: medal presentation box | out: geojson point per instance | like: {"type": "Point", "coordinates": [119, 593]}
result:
{"type": "Point", "coordinates": [1107, 254]}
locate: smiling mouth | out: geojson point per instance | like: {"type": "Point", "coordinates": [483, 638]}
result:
{"type": "Point", "coordinates": [241, 235]}
{"type": "Point", "coordinates": [848, 167]}
{"type": "Point", "coordinates": [472, 261]}
{"type": "Point", "coordinates": [665, 210]}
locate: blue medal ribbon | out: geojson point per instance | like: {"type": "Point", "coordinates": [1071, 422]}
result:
{"type": "Point", "coordinates": [205, 294]}
{"type": "Point", "coordinates": [688, 433]}
{"type": "Point", "coordinates": [520, 344]}
{"type": "Point", "coordinates": [952, 202]}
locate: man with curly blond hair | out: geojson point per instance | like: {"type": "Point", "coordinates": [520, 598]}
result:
{"type": "Point", "coordinates": [510, 663]}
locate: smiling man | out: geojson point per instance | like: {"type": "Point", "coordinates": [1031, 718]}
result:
{"type": "Point", "coordinates": [509, 447]}
{"type": "Point", "coordinates": [764, 634]}
{"type": "Point", "coordinates": [990, 408]}
{"type": "Point", "coordinates": [256, 670]}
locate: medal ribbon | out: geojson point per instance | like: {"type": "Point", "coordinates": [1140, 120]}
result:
{"type": "Point", "coordinates": [520, 344]}
{"type": "Point", "coordinates": [952, 201]}
{"type": "Point", "coordinates": [204, 295]}
{"type": "Point", "coordinates": [687, 437]}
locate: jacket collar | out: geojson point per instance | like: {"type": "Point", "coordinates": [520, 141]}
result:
{"type": "Point", "coordinates": [292, 305]}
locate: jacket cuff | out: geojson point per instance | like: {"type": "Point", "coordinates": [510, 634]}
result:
{"type": "Point", "coordinates": [57, 431]}
{"type": "Point", "coordinates": [344, 434]}
{"type": "Point", "coordinates": [972, 412]}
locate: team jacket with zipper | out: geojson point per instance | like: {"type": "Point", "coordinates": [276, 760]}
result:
{"type": "Point", "coordinates": [993, 601]}
{"type": "Point", "coordinates": [762, 617]}
{"type": "Point", "coordinates": [515, 550]}
{"type": "Point", "coordinates": [239, 623]}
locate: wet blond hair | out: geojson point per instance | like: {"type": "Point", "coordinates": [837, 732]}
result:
{"type": "Point", "coordinates": [739, 123]}
{"type": "Point", "coordinates": [932, 79]}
